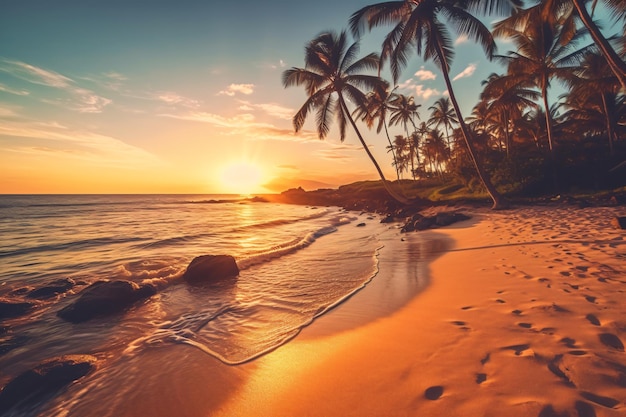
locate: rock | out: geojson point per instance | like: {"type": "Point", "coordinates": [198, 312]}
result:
{"type": "Point", "coordinates": [388, 219]}
{"type": "Point", "coordinates": [209, 268]}
{"type": "Point", "coordinates": [44, 380]}
{"type": "Point", "coordinates": [10, 308]}
{"type": "Point", "coordinates": [447, 218]}
{"type": "Point", "coordinates": [53, 288]}
{"type": "Point", "coordinates": [104, 298]}
{"type": "Point", "coordinates": [360, 225]}
{"type": "Point", "coordinates": [619, 222]}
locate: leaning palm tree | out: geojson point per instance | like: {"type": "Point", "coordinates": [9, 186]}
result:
{"type": "Point", "coordinates": [419, 27]}
{"type": "Point", "coordinates": [332, 77]}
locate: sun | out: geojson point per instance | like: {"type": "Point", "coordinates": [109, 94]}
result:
{"type": "Point", "coordinates": [242, 178]}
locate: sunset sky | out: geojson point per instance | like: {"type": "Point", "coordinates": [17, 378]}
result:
{"type": "Point", "coordinates": [155, 96]}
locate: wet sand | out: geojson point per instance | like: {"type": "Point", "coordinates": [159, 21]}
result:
{"type": "Point", "coordinates": [524, 315]}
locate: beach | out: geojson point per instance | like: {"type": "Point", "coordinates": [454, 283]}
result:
{"type": "Point", "coordinates": [517, 312]}
{"type": "Point", "coordinates": [522, 316]}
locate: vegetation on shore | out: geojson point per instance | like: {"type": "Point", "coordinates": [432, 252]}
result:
{"type": "Point", "coordinates": [519, 141]}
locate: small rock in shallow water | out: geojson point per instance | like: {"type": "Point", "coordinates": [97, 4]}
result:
{"type": "Point", "coordinates": [104, 298]}
{"type": "Point", "coordinates": [44, 380]}
{"type": "Point", "coordinates": [53, 288]}
{"type": "Point", "coordinates": [10, 308]}
{"type": "Point", "coordinates": [210, 268]}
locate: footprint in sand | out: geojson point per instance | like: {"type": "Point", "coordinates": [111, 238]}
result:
{"type": "Point", "coordinates": [569, 342]}
{"type": "Point", "coordinates": [555, 367]}
{"type": "Point", "coordinates": [433, 393]}
{"type": "Point", "coordinates": [610, 340]}
{"type": "Point", "coordinates": [599, 399]}
{"type": "Point", "coordinates": [517, 349]}
{"type": "Point", "coordinates": [584, 409]}
{"type": "Point", "coordinates": [480, 378]}
{"type": "Point", "coordinates": [593, 319]}
{"type": "Point", "coordinates": [591, 299]}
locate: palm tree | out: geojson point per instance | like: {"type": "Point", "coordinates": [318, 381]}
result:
{"type": "Point", "coordinates": [442, 114]}
{"type": "Point", "coordinates": [567, 13]}
{"type": "Point", "coordinates": [401, 152]}
{"type": "Point", "coordinates": [377, 108]}
{"type": "Point", "coordinates": [598, 81]}
{"type": "Point", "coordinates": [507, 98]}
{"type": "Point", "coordinates": [403, 109]}
{"type": "Point", "coordinates": [541, 56]}
{"type": "Point", "coordinates": [418, 26]}
{"type": "Point", "coordinates": [331, 76]}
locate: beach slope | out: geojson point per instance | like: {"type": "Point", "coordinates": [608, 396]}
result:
{"type": "Point", "coordinates": [523, 316]}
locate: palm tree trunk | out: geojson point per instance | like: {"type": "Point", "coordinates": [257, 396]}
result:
{"type": "Point", "coordinates": [393, 153]}
{"type": "Point", "coordinates": [498, 201]}
{"type": "Point", "coordinates": [609, 125]}
{"type": "Point", "coordinates": [544, 93]}
{"type": "Point", "coordinates": [386, 184]}
{"type": "Point", "coordinates": [617, 65]}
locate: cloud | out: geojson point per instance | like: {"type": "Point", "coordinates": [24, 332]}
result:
{"type": "Point", "coordinates": [93, 147]}
{"type": "Point", "coordinates": [177, 99]}
{"type": "Point", "coordinates": [35, 75]}
{"type": "Point", "coordinates": [83, 100]}
{"type": "Point", "coordinates": [426, 93]}
{"type": "Point", "coordinates": [281, 64]}
{"type": "Point", "coordinates": [467, 72]}
{"type": "Point", "coordinates": [244, 125]}
{"type": "Point", "coordinates": [10, 90]}
{"type": "Point", "coordinates": [272, 109]}
{"type": "Point", "coordinates": [8, 112]}
{"type": "Point", "coordinates": [232, 89]}
{"type": "Point", "coordinates": [419, 90]}
{"type": "Point", "coordinates": [90, 102]}
{"type": "Point", "coordinates": [461, 39]}
{"type": "Point", "coordinates": [423, 74]}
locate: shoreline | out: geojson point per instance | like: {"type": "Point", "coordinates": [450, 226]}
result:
{"type": "Point", "coordinates": [523, 316]}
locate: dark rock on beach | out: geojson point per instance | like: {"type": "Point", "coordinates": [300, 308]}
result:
{"type": "Point", "coordinates": [619, 222]}
{"type": "Point", "coordinates": [44, 380]}
{"type": "Point", "coordinates": [210, 268]}
{"type": "Point", "coordinates": [105, 298]}
{"type": "Point", "coordinates": [11, 308]}
{"type": "Point", "coordinates": [420, 222]}
{"type": "Point", "coordinates": [53, 288]}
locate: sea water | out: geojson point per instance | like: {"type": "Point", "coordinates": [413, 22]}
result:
{"type": "Point", "coordinates": [296, 263]}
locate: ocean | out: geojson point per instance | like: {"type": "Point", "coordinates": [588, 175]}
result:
{"type": "Point", "coordinates": [296, 263]}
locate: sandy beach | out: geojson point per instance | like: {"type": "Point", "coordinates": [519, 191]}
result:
{"type": "Point", "coordinates": [523, 315]}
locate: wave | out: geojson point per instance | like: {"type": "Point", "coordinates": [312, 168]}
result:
{"type": "Point", "coordinates": [78, 244]}
{"type": "Point", "coordinates": [260, 225]}
{"type": "Point", "coordinates": [292, 246]}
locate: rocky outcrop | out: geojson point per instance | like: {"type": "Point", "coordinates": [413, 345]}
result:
{"type": "Point", "coordinates": [211, 268]}
{"type": "Point", "coordinates": [44, 380]}
{"type": "Point", "coordinates": [419, 222]}
{"type": "Point", "coordinates": [52, 289]}
{"type": "Point", "coordinates": [11, 308]}
{"type": "Point", "coordinates": [105, 298]}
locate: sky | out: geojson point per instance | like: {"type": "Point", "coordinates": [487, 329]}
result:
{"type": "Point", "coordinates": [156, 96]}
